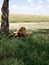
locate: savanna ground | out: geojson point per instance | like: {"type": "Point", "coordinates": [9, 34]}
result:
{"type": "Point", "coordinates": [30, 50]}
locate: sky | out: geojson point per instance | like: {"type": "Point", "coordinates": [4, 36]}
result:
{"type": "Point", "coordinates": [31, 7]}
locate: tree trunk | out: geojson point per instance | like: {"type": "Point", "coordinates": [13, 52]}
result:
{"type": "Point", "coordinates": [5, 16]}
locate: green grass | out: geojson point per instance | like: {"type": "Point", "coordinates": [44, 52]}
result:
{"type": "Point", "coordinates": [27, 18]}
{"type": "Point", "coordinates": [31, 50]}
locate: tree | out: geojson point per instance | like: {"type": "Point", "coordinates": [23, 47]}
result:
{"type": "Point", "coordinates": [5, 16]}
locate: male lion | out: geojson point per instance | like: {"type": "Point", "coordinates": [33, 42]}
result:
{"type": "Point", "coordinates": [22, 32]}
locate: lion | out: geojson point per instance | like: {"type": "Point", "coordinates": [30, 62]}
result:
{"type": "Point", "coordinates": [22, 32]}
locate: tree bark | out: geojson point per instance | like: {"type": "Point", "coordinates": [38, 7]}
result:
{"type": "Point", "coordinates": [5, 16]}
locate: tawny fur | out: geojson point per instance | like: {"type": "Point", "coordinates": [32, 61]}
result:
{"type": "Point", "coordinates": [22, 32]}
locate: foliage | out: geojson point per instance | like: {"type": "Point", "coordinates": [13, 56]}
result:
{"type": "Point", "coordinates": [31, 50]}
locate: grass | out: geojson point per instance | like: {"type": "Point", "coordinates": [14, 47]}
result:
{"type": "Point", "coordinates": [27, 18]}
{"type": "Point", "coordinates": [31, 50]}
